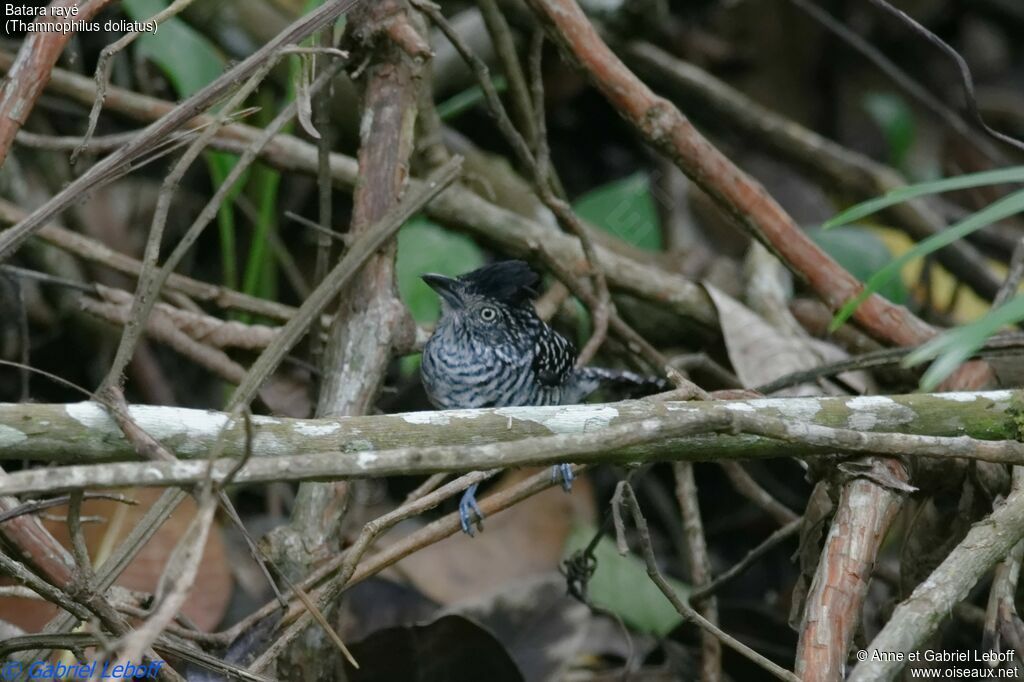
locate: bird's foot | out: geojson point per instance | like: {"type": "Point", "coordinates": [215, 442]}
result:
{"type": "Point", "coordinates": [468, 509]}
{"type": "Point", "coordinates": [563, 473]}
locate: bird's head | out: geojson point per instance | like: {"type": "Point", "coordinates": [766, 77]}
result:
{"type": "Point", "coordinates": [486, 298]}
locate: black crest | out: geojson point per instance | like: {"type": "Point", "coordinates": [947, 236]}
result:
{"type": "Point", "coordinates": [509, 281]}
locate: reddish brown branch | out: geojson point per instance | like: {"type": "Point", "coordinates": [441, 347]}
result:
{"type": "Point", "coordinates": [738, 195]}
{"type": "Point", "coordinates": [866, 508]}
{"type": "Point", "coordinates": [31, 71]}
{"type": "Point", "coordinates": [35, 545]}
{"type": "Point", "coordinates": [832, 610]}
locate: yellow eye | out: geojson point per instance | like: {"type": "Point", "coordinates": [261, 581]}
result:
{"type": "Point", "coordinates": [488, 314]}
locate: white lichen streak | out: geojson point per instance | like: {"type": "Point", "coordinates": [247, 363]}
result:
{"type": "Point", "coordinates": [91, 416]}
{"type": "Point", "coordinates": [575, 419]}
{"type": "Point", "coordinates": [970, 397]}
{"type": "Point", "coordinates": [365, 459]}
{"type": "Point", "coordinates": [159, 422]}
{"type": "Point", "coordinates": [440, 417]}
{"type": "Point", "coordinates": [10, 436]}
{"type": "Point", "coordinates": [865, 420]}
{"type": "Point", "coordinates": [797, 409]}
{"type": "Point", "coordinates": [316, 429]}
{"type": "Point", "coordinates": [426, 418]}
{"type": "Point", "coordinates": [194, 429]}
{"type": "Point", "coordinates": [869, 410]}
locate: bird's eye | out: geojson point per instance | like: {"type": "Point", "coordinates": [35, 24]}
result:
{"type": "Point", "coordinates": [488, 314]}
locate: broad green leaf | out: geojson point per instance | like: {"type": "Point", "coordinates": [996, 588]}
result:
{"type": "Point", "coordinates": [625, 208]}
{"type": "Point", "coordinates": [861, 252]}
{"type": "Point", "coordinates": [896, 120]}
{"type": "Point", "coordinates": [621, 585]}
{"type": "Point", "coordinates": [954, 347]}
{"type": "Point", "coordinates": [1000, 210]}
{"type": "Point", "coordinates": [899, 195]}
{"type": "Point", "coordinates": [424, 246]}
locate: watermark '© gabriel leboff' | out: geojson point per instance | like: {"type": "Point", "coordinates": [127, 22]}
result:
{"type": "Point", "coordinates": [105, 670]}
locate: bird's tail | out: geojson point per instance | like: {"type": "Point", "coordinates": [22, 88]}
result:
{"type": "Point", "coordinates": [630, 383]}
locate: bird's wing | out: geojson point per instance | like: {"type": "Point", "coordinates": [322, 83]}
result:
{"type": "Point", "coordinates": [553, 358]}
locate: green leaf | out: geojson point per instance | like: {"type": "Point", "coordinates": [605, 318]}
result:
{"type": "Point", "coordinates": [424, 246]}
{"type": "Point", "coordinates": [861, 252]}
{"type": "Point", "coordinates": [621, 585]}
{"type": "Point", "coordinates": [190, 62]}
{"type": "Point", "coordinates": [894, 117]}
{"type": "Point", "coordinates": [467, 99]}
{"type": "Point", "coordinates": [625, 208]}
{"type": "Point", "coordinates": [1000, 210]}
{"type": "Point", "coordinates": [954, 347]}
{"type": "Point", "coordinates": [188, 59]}
{"type": "Point", "coordinates": [260, 278]}
{"type": "Point", "coordinates": [901, 194]}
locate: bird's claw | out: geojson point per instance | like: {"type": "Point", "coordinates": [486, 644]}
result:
{"type": "Point", "coordinates": [469, 508]}
{"type": "Point", "coordinates": [563, 473]}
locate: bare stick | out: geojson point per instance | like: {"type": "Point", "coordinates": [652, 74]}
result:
{"type": "Point", "coordinates": [104, 65]}
{"type": "Point", "coordinates": [966, 80]}
{"type": "Point", "coordinates": [921, 614]}
{"type": "Point", "coordinates": [863, 516]}
{"type": "Point", "coordinates": [85, 433]}
{"type": "Point", "coordinates": [663, 126]}
{"type": "Point", "coordinates": [650, 439]}
{"type": "Point", "coordinates": [791, 529]}
{"type": "Point", "coordinates": [361, 249]}
{"type": "Point", "coordinates": [745, 485]}
{"type": "Point", "coordinates": [538, 168]}
{"type": "Point", "coordinates": [700, 569]}
{"type": "Point", "coordinates": [458, 207]}
{"type": "Point", "coordinates": [151, 279]}
{"type": "Point", "coordinates": [684, 609]}
{"type": "Point", "coordinates": [30, 73]}
{"type": "Point", "coordinates": [301, 28]}
{"type": "Point", "coordinates": [328, 594]}
{"type": "Point", "coordinates": [1012, 282]}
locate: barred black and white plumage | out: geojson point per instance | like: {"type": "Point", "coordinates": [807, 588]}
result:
{"type": "Point", "coordinates": [490, 349]}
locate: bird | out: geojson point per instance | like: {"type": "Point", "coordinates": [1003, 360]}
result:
{"type": "Point", "coordinates": [491, 349]}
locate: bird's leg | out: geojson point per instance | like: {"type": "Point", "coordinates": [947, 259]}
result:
{"type": "Point", "coordinates": [563, 473]}
{"type": "Point", "coordinates": [468, 506]}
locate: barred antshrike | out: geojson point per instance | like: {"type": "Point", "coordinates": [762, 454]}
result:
{"type": "Point", "coordinates": [490, 349]}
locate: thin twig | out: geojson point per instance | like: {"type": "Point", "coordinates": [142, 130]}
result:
{"type": "Point", "coordinates": [537, 168]}
{"type": "Point", "coordinates": [791, 529]}
{"type": "Point", "coordinates": [38, 505]}
{"type": "Point", "coordinates": [329, 593]}
{"type": "Point", "coordinates": [151, 278]}
{"type": "Point", "coordinates": [684, 609]}
{"type": "Point", "coordinates": [700, 568]}
{"type": "Point", "coordinates": [458, 207]}
{"type": "Point", "coordinates": [996, 346]}
{"type": "Point", "coordinates": [105, 65]}
{"type": "Point", "coordinates": [1013, 277]}
{"type": "Point", "coordinates": [301, 28]}
{"type": "Point", "coordinates": [902, 79]}
{"type": "Point", "coordinates": [745, 485]}
{"type": "Point", "coordinates": [360, 250]}
{"type": "Point", "coordinates": [31, 71]}
{"type": "Point", "coordinates": [966, 79]}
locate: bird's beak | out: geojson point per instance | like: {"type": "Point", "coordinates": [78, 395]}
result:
{"type": "Point", "coordinates": [446, 287]}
